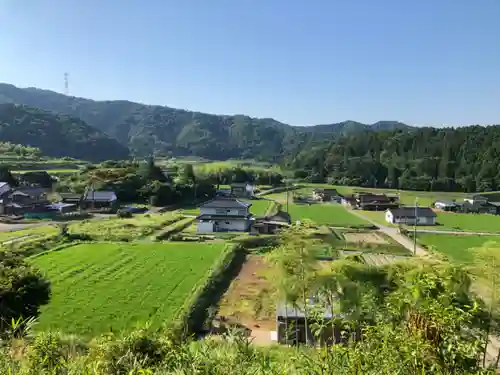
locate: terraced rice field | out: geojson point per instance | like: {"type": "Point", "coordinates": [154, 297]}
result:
{"type": "Point", "coordinates": [331, 214]}
{"type": "Point", "coordinates": [101, 287]}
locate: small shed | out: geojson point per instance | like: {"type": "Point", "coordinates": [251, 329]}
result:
{"type": "Point", "coordinates": [100, 199]}
{"type": "Point", "coordinates": [445, 205]}
{"type": "Point", "coordinates": [291, 327]}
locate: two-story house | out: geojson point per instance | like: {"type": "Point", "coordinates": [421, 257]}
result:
{"type": "Point", "coordinates": [224, 215]}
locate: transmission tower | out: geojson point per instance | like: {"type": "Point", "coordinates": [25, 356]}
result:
{"type": "Point", "coordinates": [66, 84]}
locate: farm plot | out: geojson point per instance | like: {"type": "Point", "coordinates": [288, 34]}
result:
{"type": "Point", "coordinates": [118, 229]}
{"type": "Point", "coordinates": [381, 259]}
{"type": "Point", "coordinates": [457, 248]}
{"type": "Point", "coordinates": [331, 214]}
{"type": "Point", "coordinates": [250, 301]}
{"type": "Point", "coordinates": [19, 235]}
{"type": "Point", "coordinates": [97, 288]}
{"type": "Point", "coordinates": [468, 222]}
{"type": "Point", "coordinates": [364, 237]}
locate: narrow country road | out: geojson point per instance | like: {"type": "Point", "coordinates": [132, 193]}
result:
{"type": "Point", "coordinates": [394, 234]}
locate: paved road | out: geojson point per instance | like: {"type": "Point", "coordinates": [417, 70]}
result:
{"type": "Point", "coordinates": [394, 234]}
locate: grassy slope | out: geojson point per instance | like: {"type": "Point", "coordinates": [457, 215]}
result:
{"type": "Point", "coordinates": [458, 248]}
{"type": "Point", "coordinates": [32, 232]}
{"type": "Point", "coordinates": [99, 287]}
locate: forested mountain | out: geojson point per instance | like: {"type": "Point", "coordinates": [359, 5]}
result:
{"type": "Point", "coordinates": [169, 131]}
{"type": "Point", "coordinates": [461, 159]}
{"type": "Point", "coordinates": [56, 135]}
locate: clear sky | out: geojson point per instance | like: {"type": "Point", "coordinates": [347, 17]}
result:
{"type": "Point", "coordinates": [423, 62]}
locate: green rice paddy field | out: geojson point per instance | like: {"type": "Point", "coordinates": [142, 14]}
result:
{"type": "Point", "coordinates": [457, 248]}
{"type": "Point", "coordinates": [103, 286]}
{"type": "Point", "coordinates": [328, 214]}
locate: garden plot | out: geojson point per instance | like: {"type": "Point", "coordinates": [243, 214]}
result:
{"type": "Point", "coordinates": [365, 237]}
{"type": "Point", "coordinates": [381, 259]}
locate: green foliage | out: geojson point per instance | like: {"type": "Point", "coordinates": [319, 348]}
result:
{"type": "Point", "coordinates": [6, 176]}
{"type": "Point", "coordinates": [22, 289]}
{"type": "Point", "coordinates": [461, 159]}
{"type": "Point", "coordinates": [57, 135]}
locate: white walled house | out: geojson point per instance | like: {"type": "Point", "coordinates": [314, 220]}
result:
{"type": "Point", "coordinates": [224, 215]}
{"type": "Point", "coordinates": [406, 215]}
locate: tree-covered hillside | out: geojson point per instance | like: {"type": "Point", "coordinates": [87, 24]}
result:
{"type": "Point", "coordinates": [56, 135]}
{"type": "Point", "coordinates": [149, 129]}
{"type": "Point", "coordinates": [462, 159]}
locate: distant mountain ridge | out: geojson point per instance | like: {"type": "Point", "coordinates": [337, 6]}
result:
{"type": "Point", "coordinates": [147, 129]}
{"type": "Point", "coordinates": [56, 135]}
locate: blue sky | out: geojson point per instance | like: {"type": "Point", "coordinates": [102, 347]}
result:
{"type": "Point", "coordinates": [426, 62]}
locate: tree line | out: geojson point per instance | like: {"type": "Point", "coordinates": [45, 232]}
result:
{"type": "Point", "coordinates": [463, 159]}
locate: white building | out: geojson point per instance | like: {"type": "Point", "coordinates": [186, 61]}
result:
{"type": "Point", "coordinates": [224, 215]}
{"type": "Point", "coordinates": [4, 188]}
{"type": "Point", "coordinates": [408, 215]}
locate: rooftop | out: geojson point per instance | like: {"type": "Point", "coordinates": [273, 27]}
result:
{"type": "Point", "coordinates": [288, 311]}
{"type": "Point", "coordinates": [100, 196]}
{"type": "Point", "coordinates": [410, 212]}
{"type": "Point", "coordinates": [225, 203]}
{"type": "Point", "coordinates": [224, 217]}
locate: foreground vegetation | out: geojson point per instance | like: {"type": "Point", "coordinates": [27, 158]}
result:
{"type": "Point", "coordinates": [99, 288]}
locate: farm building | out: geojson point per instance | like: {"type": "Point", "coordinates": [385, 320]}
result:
{"type": "Point", "coordinates": [272, 223]}
{"type": "Point", "coordinates": [376, 202]}
{"type": "Point", "coordinates": [72, 198]}
{"type": "Point", "coordinates": [63, 208]}
{"type": "Point", "coordinates": [479, 207]}
{"type": "Point", "coordinates": [411, 216]}
{"type": "Point", "coordinates": [36, 179]}
{"type": "Point", "coordinates": [224, 215]}
{"type": "Point", "coordinates": [444, 205]}
{"type": "Point", "coordinates": [242, 189]}
{"type": "Point", "coordinates": [326, 195]}
{"type": "Point", "coordinates": [100, 200]}
{"type": "Point", "coordinates": [476, 199]}
{"type": "Point", "coordinates": [370, 202]}
{"type": "Point", "coordinates": [291, 328]}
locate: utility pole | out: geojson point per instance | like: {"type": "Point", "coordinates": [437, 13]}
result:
{"type": "Point", "coordinates": [286, 187]}
{"type": "Point", "coordinates": [415, 228]}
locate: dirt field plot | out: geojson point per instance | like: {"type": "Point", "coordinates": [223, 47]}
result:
{"type": "Point", "coordinates": [381, 259]}
{"type": "Point", "coordinates": [249, 301]}
{"type": "Point", "coordinates": [365, 237]}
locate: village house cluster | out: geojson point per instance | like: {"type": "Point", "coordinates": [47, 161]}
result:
{"type": "Point", "coordinates": [33, 198]}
